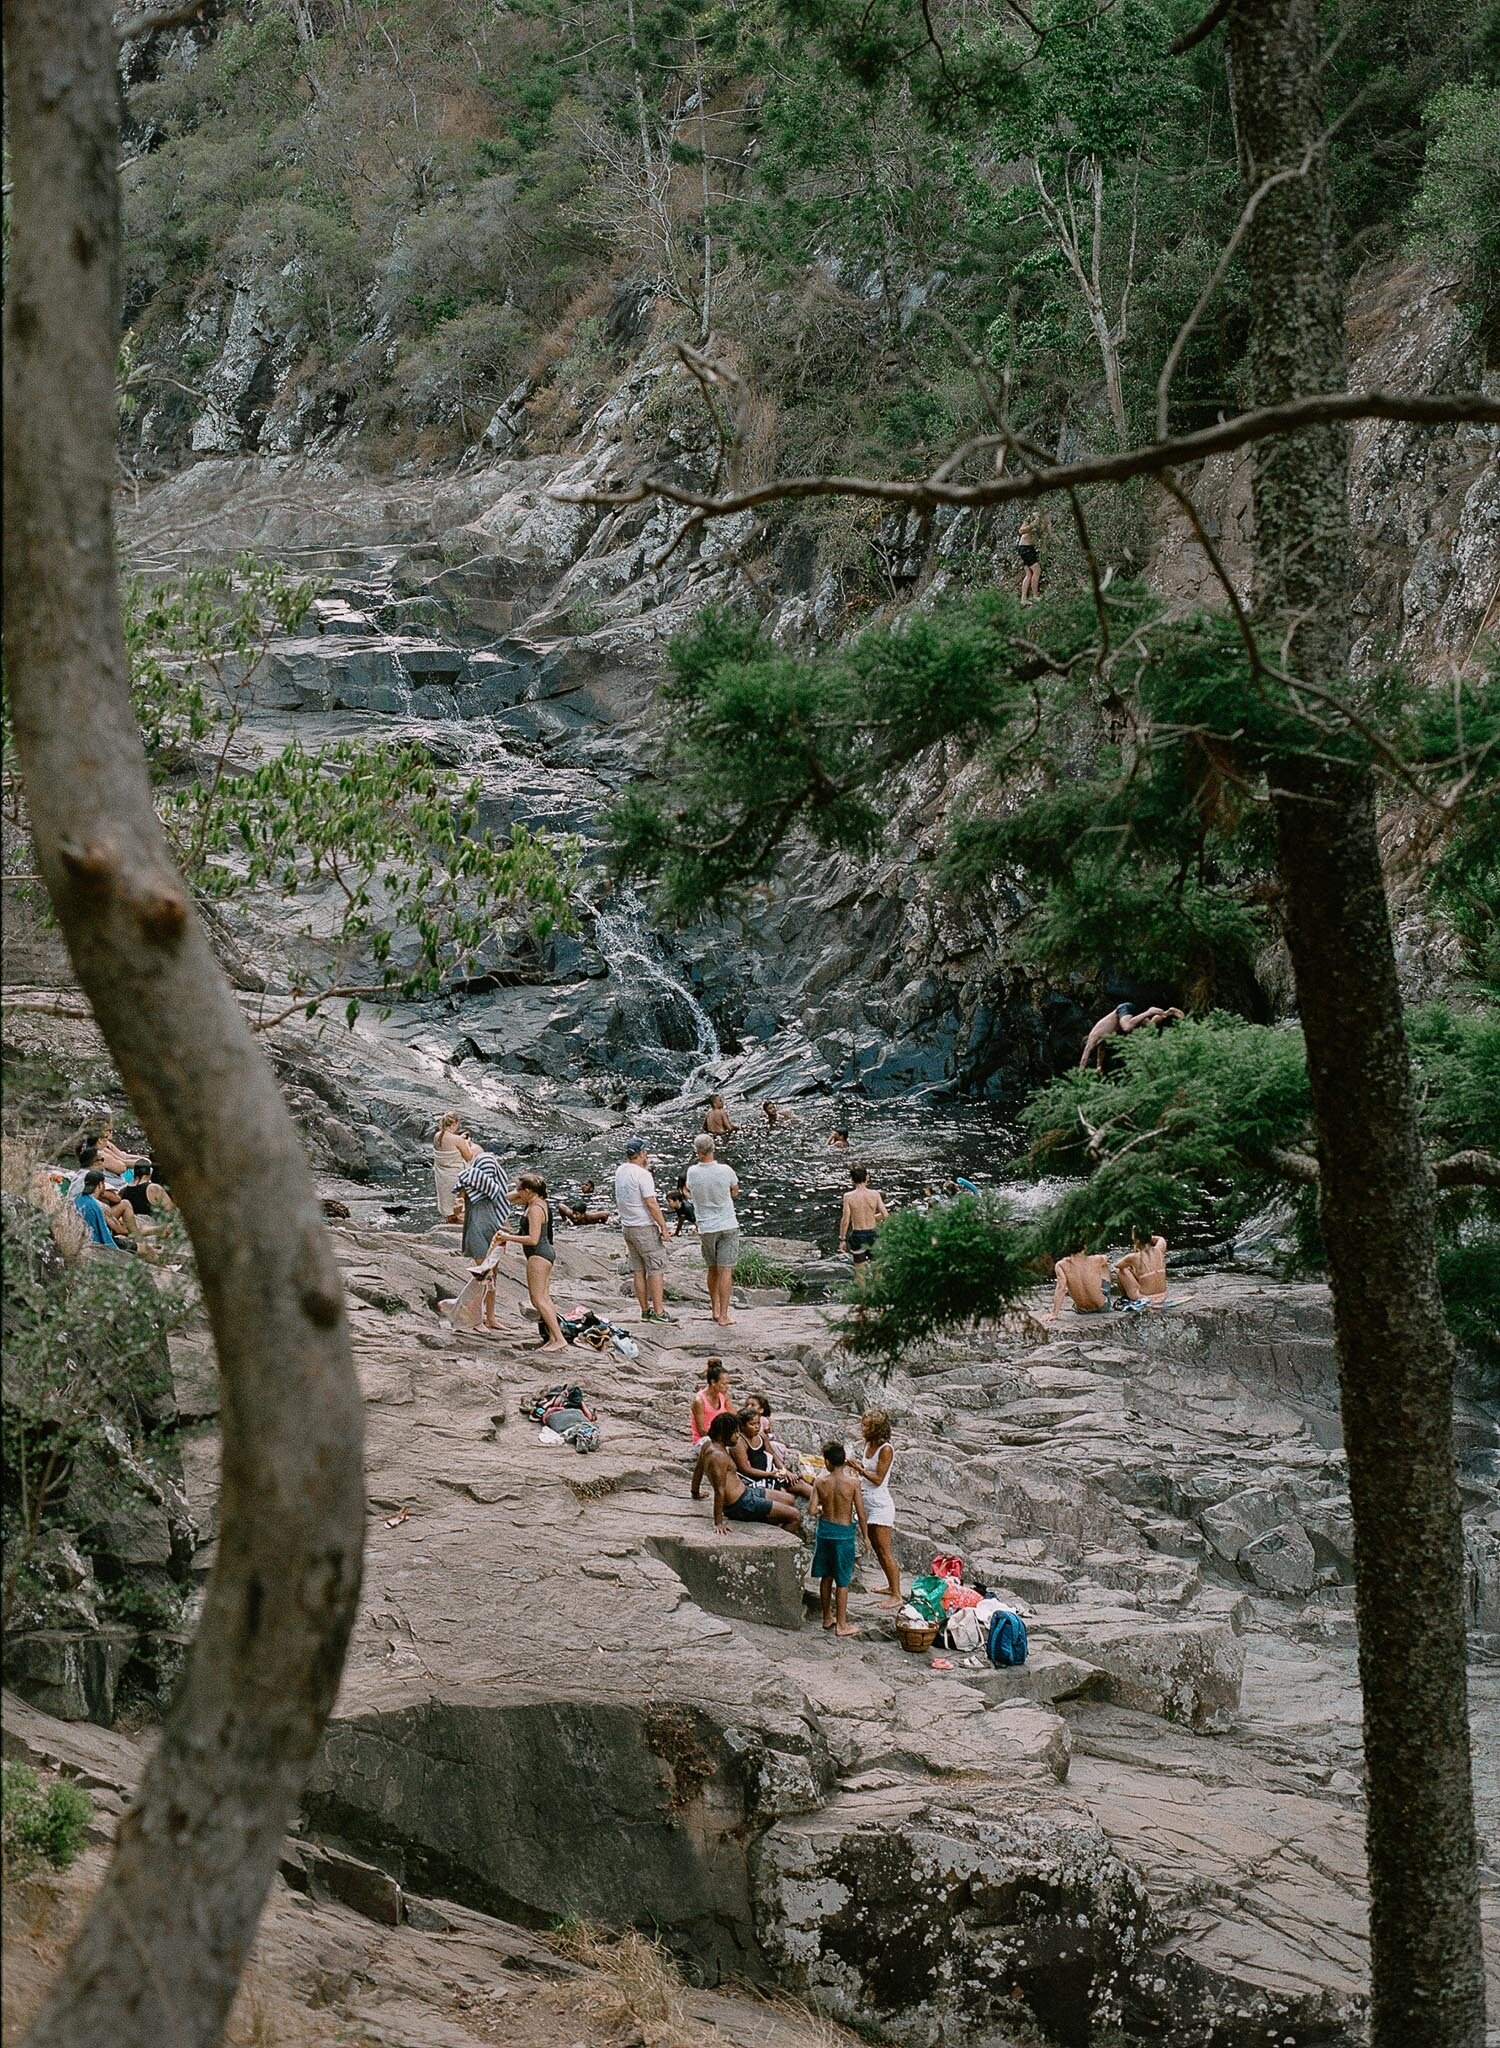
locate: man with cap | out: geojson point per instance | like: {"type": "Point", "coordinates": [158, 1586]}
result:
{"type": "Point", "coordinates": [645, 1230]}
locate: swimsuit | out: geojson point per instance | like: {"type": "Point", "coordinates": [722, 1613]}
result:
{"type": "Point", "coordinates": [834, 1552]}
{"type": "Point", "coordinates": [1027, 552]}
{"type": "Point", "coordinates": [752, 1506]}
{"type": "Point", "coordinates": [860, 1242]}
{"type": "Point", "coordinates": [543, 1248]}
{"type": "Point", "coordinates": [700, 1434]}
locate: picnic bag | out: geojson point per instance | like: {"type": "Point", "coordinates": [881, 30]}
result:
{"type": "Point", "coordinates": [964, 1632]}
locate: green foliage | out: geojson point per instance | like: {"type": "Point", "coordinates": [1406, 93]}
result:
{"type": "Point", "coordinates": [1176, 1137]}
{"type": "Point", "coordinates": [756, 1269]}
{"type": "Point", "coordinates": [404, 888]}
{"type": "Point", "coordinates": [1457, 206]}
{"type": "Point", "coordinates": [1181, 1134]}
{"type": "Point", "coordinates": [955, 1265]}
{"type": "Point", "coordinates": [84, 1354]}
{"type": "Point", "coordinates": [39, 1827]}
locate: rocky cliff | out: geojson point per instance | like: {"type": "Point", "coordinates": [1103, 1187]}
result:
{"type": "Point", "coordinates": [567, 1697]}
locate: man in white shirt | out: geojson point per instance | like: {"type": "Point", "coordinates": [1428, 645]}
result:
{"type": "Point", "coordinates": [645, 1230]}
{"type": "Point", "coordinates": [713, 1187]}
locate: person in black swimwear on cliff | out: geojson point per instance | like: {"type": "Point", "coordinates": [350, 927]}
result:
{"type": "Point", "coordinates": [1031, 565]}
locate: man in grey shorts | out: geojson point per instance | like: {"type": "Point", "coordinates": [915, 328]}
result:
{"type": "Point", "coordinates": [713, 1187]}
{"type": "Point", "coordinates": [645, 1231]}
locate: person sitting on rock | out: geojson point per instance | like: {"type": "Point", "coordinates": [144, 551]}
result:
{"type": "Point", "coordinates": [1146, 1263]}
{"type": "Point", "coordinates": [578, 1205]}
{"type": "Point", "coordinates": [840, 1504]}
{"type": "Point", "coordinates": [116, 1164]}
{"type": "Point", "coordinates": [712, 1398]}
{"type": "Point", "coordinates": [736, 1498]}
{"type": "Point", "coordinates": [96, 1221]}
{"type": "Point", "coordinates": [1084, 1276]}
{"type": "Point", "coordinates": [780, 1453]}
{"type": "Point", "coordinates": [756, 1459]}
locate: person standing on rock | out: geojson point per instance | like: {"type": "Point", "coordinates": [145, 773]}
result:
{"type": "Point", "coordinates": [452, 1150]}
{"type": "Point", "coordinates": [874, 1470]}
{"type": "Point", "coordinates": [645, 1231]}
{"type": "Point", "coordinates": [485, 1187]}
{"type": "Point", "coordinates": [863, 1213]}
{"type": "Point", "coordinates": [839, 1504]}
{"type": "Point", "coordinates": [1031, 564]}
{"type": "Point", "coordinates": [713, 1187]}
{"type": "Point", "coordinates": [536, 1242]}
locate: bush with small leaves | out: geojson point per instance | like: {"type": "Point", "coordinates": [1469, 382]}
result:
{"type": "Point", "coordinates": [40, 1827]}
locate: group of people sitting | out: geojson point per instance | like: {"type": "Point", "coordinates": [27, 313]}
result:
{"type": "Point", "coordinates": [1134, 1282]}
{"type": "Point", "coordinates": [118, 1196]}
{"type": "Point", "coordinates": [756, 1479]}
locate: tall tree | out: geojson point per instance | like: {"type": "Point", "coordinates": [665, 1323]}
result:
{"type": "Point", "coordinates": [161, 1952]}
{"type": "Point", "coordinates": [1375, 1189]}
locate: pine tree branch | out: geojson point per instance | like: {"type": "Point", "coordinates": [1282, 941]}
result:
{"type": "Point", "coordinates": [1296, 415]}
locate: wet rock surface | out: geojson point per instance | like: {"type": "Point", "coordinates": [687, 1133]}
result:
{"type": "Point", "coordinates": [566, 1695]}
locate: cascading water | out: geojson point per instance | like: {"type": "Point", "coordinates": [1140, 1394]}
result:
{"type": "Point", "coordinates": [639, 969]}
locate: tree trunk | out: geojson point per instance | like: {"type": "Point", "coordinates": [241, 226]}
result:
{"type": "Point", "coordinates": [161, 1952]}
{"type": "Point", "coordinates": [1375, 1187]}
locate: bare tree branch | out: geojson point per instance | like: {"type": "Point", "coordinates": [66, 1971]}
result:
{"type": "Point", "coordinates": [1202, 29]}
{"type": "Point", "coordinates": [152, 19]}
{"type": "Point", "coordinates": [1472, 1169]}
{"type": "Point", "coordinates": [1293, 416]}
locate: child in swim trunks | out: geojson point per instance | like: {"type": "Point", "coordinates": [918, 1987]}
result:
{"type": "Point", "coordinates": [840, 1505]}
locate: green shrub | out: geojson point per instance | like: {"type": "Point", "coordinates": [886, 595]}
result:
{"type": "Point", "coordinates": [755, 1269]}
{"type": "Point", "coordinates": [954, 1265]}
{"type": "Point", "coordinates": [39, 1826]}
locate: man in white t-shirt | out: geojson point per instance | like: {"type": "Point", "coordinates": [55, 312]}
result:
{"type": "Point", "coordinates": [645, 1230]}
{"type": "Point", "coordinates": [713, 1187]}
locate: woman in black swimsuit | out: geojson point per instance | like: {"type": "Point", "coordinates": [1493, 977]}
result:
{"type": "Point", "coordinates": [1031, 565]}
{"type": "Point", "coordinates": [536, 1241]}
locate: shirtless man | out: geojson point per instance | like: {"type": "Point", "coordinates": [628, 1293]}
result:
{"type": "Point", "coordinates": [716, 1118]}
{"type": "Point", "coordinates": [1147, 1262]}
{"type": "Point", "coordinates": [863, 1213]}
{"type": "Point", "coordinates": [1124, 1018]}
{"type": "Point", "coordinates": [1085, 1278]}
{"type": "Point", "coordinates": [737, 1499]}
{"type": "Point", "coordinates": [839, 1500]}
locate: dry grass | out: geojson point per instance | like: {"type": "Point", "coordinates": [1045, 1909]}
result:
{"type": "Point", "coordinates": [638, 1985]}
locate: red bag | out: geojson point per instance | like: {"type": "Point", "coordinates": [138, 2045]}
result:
{"type": "Point", "coordinates": [947, 1567]}
{"type": "Point", "coordinates": [960, 1596]}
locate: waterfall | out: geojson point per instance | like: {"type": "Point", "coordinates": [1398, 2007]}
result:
{"type": "Point", "coordinates": [632, 952]}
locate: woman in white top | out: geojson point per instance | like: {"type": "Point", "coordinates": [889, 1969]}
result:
{"type": "Point", "coordinates": [452, 1149]}
{"type": "Point", "coordinates": [880, 1509]}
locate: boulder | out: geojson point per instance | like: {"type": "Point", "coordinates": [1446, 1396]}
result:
{"type": "Point", "coordinates": [1047, 1675]}
{"type": "Point", "coordinates": [71, 1674]}
{"type": "Point", "coordinates": [1282, 1560]}
{"type": "Point", "coordinates": [1243, 1516]}
{"type": "Point", "coordinates": [749, 1575]}
{"type": "Point", "coordinates": [1185, 1671]}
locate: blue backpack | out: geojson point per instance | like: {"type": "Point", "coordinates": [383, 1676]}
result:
{"type": "Point", "coordinates": [1007, 1643]}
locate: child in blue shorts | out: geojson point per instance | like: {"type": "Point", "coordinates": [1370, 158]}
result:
{"type": "Point", "coordinates": [838, 1500]}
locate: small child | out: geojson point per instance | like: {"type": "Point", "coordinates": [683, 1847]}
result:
{"type": "Point", "coordinates": [839, 1504]}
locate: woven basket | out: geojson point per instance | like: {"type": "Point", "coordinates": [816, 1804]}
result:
{"type": "Point", "coordinates": [916, 1636]}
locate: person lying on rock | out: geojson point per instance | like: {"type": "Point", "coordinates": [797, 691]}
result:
{"type": "Point", "coordinates": [1084, 1276]}
{"type": "Point", "coordinates": [736, 1498]}
{"type": "Point", "coordinates": [580, 1205]}
{"type": "Point", "coordinates": [1146, 1263]}
{"type": "Point", "coordinates": [840, 1505]}
{"type": "Point", "coordinates": [755, 1458]}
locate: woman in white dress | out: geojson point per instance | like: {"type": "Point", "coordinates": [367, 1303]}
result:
{"type": "Point", "coordinates": [452, 1149]}
{"type": "Point", "coordinates": [880, 1510]}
